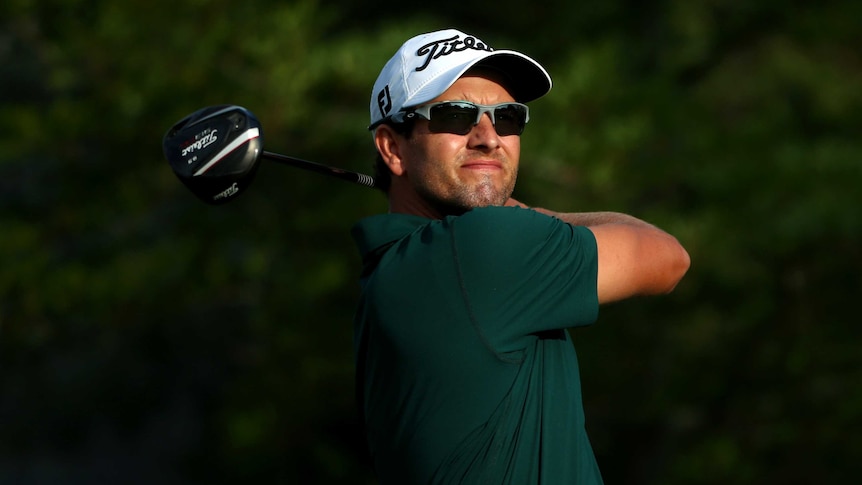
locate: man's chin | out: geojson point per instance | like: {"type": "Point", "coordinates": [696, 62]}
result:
{"type": "Point", "coordinates": [489, 194]}
{"type": "Point", "coordinates": [483, 198]}
{"type": "Point", "coordinates": [468, 196]}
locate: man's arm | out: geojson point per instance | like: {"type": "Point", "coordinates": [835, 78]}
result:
{"type": "Point", "coordinates": [635, 257]}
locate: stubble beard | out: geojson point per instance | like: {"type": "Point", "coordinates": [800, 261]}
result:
{"type": "Point", "coordinates": [466, 196]}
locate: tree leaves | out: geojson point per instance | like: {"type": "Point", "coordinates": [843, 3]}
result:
{"type": "Point", "coordinates": [183, 343]}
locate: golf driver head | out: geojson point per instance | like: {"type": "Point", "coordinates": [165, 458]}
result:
{"type": "Point", "coordinates": [215, 151]}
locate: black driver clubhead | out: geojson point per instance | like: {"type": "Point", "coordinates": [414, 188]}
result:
{"type": "Point", "coordinates": [215, 151]}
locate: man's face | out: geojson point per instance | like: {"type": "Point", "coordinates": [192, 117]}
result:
{"type": "Point", "coordinates": [454, 173]}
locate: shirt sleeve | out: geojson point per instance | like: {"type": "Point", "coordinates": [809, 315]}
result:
{"type": "Point", "coordinates": [522, 272]}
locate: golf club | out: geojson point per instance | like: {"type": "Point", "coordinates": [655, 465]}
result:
{"type": "Point", "coordinates": [215, 152]}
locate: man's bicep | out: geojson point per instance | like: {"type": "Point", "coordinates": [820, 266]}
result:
{"type": "Point", "coordinates": [636, 261]}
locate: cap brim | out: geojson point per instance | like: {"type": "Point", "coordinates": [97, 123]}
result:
{"type": "Point", "coordinates": [527, 80]}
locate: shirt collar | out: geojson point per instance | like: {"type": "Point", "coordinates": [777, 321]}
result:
{"type": "Point", "coordinates": [374, 232]}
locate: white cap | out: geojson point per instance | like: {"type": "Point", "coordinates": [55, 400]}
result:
{"type": "Point", "coordinates": [428, 64]}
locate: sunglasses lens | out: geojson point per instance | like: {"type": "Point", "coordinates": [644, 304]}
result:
{"type": "Point", "coordinates": [456, 118]}
{"type": "Point", "coordinates": [510, 119]}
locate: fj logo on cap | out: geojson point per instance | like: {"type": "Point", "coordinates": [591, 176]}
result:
{"type": "Point", "coordinates": [444, 47]}
{"type": "Point", "coordinates": [384, 101]}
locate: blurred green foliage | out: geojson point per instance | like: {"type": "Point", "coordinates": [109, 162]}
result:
{"type": "Point", "coordinates": [148, 338]}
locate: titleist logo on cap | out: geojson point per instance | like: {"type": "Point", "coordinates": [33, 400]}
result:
{"type": "Point", "coordinates": [444, 47]}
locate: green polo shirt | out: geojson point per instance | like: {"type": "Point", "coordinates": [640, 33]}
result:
{"type": "Point", "coordinates": [465, 372]}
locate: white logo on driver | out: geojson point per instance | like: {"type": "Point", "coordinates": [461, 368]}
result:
{"type": "Point", "coordinates": [232, 190]}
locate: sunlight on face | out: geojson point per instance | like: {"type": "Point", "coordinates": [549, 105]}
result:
{"type": "Point", "coordinates": [455, 173]}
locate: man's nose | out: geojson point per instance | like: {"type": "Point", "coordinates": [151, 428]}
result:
{"type": "Point", "coordinates": [484, 134]}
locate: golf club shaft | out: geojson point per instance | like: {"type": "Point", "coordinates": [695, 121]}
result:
{"type": "Point", "coordinates": [355, 177]}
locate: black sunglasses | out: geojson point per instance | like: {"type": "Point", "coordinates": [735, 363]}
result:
{"type": "Point", "coordinates": [459, 117]}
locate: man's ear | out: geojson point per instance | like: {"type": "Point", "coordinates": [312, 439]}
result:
{"type": "Point", "coordinates": [389, 145]}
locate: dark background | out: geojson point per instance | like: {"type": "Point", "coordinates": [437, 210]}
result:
{"type": "Point", "coordinates": [148, 338]}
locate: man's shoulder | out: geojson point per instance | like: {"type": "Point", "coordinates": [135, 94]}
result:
{"type": "Point", "coordinates": [515, 230]}
{"type": "Point", "coordinates": [510, 220]}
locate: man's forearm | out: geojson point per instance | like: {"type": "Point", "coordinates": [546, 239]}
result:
{"type": "Point", "coordinates": [595, 218]}
{"type": "Point", "coordinates": [587, 218]}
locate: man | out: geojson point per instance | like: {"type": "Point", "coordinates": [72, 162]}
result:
{"type": "Point", "coordinates": [465, 371]}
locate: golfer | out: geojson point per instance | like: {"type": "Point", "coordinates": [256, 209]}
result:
{"type": "Point", "coordinates": [465, 370]}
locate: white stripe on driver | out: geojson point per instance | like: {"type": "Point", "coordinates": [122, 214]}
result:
{"type": "Point", "coordinates": [247, 136]}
